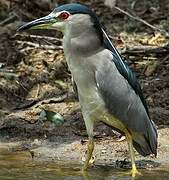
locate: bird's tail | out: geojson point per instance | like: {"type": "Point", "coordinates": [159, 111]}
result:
{"type": "Point", "coordinates": [146, 144]}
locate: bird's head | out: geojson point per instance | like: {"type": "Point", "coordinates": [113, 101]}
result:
{"type": "Point", "coordinates": [69, 14]}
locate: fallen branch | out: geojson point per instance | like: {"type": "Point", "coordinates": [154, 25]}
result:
{"type": "Point", "coordinates": [146, 50]}
{"type": "Point", "coordinates": [143, 21]}
{"type": "Point", "coordinates": [38, 102]}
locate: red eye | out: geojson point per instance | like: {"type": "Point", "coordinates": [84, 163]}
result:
{"type": "Point", "coordinates": [64, 15]}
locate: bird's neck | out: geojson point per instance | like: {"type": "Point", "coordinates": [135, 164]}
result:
{"type": "Point", "coordinates": [82, 41]}
{"type": "Point", "coordinates": [80, 44]}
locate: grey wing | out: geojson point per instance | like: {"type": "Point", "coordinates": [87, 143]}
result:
{"type": "Point", "coordinates": [122, 102]}
{"type": "Point", "coordinates": [124, 69]}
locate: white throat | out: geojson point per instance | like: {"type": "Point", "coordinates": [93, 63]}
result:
{"type": "Point", "coordinates": [80, 36]}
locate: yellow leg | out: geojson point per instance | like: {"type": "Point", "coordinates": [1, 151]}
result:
{"type": "Point", "coordinates": [134, 170]}
{"type": "Point", "coordinates": [90, 148]}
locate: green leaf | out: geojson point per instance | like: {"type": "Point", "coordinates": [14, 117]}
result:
{"type": "Point", "coordinates": [54, 117]}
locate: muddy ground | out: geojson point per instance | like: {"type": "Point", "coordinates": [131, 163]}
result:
{"type": "Point", "coordinates": [34, 77]}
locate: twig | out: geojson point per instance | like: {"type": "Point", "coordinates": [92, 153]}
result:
{"type": "Point", "coordinates": [161, 62]}
{"type": "Point", "coordinates": [143, 21]}
{"type": "Point", "coordinates": [9, 19]}
{"type": "Point", "coordinates": [9, 74]}
{"type": "Point", "coordinates": [35, 45]}
{"type": "Point", "coordinates": [19, 83]}
{"type": "Point", "coordinates": [146, 49]}
{"type": "Point", "coordinates": [39, 37]}
{"type": "Point", "coordinates": [26, 49]}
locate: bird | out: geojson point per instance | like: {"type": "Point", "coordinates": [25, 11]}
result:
{"type": "Point", "coordinates": [108, 90]}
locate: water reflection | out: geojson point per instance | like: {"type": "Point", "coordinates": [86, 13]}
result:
{"type": "Point", "coordinates": [20, 166]}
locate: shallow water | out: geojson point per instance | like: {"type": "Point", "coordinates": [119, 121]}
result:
{"type": "Point", "coordinates": [20, 166]}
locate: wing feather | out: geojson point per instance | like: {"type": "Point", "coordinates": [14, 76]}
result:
{"type": "Point", "coordinates": [124, 69]}
{"type": "Point", "coordinates": [123, 98]}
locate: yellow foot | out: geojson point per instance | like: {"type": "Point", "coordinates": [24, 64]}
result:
{"type": "Point", "coordinates": [134, 172]}
{"type": "Point", "coordinates": [84, 169]}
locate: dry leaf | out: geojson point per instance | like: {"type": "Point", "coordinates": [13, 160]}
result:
{"type": "Point", "coordinates": [158, 39]}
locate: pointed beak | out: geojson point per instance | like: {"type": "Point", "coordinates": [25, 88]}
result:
{"type": "Point", "coordinates": [41, 23]}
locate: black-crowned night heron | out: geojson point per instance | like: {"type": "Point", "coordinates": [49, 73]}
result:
{"type": "Point", "coordinates": [108, 90]}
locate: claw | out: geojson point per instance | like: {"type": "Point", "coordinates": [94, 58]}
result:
{"type": "Point", "coordinates": [134, 172]}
